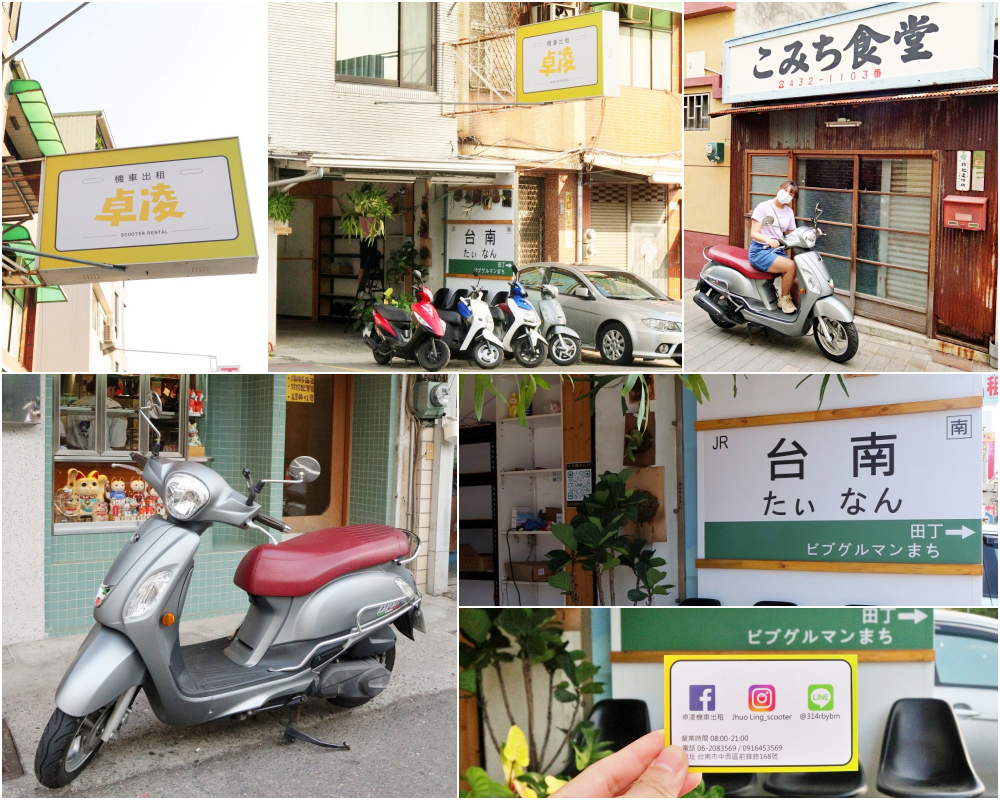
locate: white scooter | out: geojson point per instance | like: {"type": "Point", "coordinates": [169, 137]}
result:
{"type": "Point", "coordinates": [563, 341]}
{"type": "Point", "coordinates": [521, 327]}
{"type": "Point", "coordinates": [485, 350]}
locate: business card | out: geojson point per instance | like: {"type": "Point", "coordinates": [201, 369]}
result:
{"type": "Point", "coordinates": [763, 712]}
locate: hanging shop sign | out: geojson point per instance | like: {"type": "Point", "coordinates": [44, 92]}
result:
{"type": "Point", "coordinates": [890, 45]}
{"type": "Point", "coordinates": [572, 58]}
{"type": "Point", "coordinates": [978, 170]}
{"type": "Point", "coordinates": [300, 388]}
{"type": "Point", "coordinates": [776, 630]}
{"type": "Point", "coordinates": [879, 489]}
{"type": "Point", "coordinates": [783, 713]}
{"type": "Point", "coordinates": [165, 211]}
{"type": "Point", "coordinates": [480, 231]}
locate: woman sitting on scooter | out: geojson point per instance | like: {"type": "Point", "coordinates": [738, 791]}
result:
{"type": "Point", "coordinates": [772, 219]}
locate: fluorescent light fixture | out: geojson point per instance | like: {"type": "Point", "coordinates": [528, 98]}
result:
{"type": "Point", "coordinates": [664, 177]}
{"type": "Point", "coordinates": [843, 122]}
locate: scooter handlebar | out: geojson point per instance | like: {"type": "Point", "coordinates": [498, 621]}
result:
{"type": "Point", "coordinates": [271, 522]}
{"type": "Point", "coordinates": [138, 458]}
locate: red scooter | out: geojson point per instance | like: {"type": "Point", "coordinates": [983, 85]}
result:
{"type": "Point", "coordinates": [414, 335]}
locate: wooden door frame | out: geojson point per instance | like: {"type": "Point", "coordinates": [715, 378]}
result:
{"type": "Point", "coordinates": [338, 511]}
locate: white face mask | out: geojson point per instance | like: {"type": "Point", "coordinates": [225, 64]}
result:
{"type": "Point", "coordinates": [784, 197]}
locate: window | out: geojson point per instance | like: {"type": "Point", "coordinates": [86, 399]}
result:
{"type": "Point", "coordinates": [13, 319]}
{"type": "Point", "coordinates": [696, 112]}
{"type": "Point", "coordinates": [965, 657]}
{"type": "Point", "coordinates": [386, 43]}
{"type": "Point", "coordinates": [645, 54]}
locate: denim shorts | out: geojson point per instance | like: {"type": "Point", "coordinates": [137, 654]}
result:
{"type": "Point", "coordinates": [762, 257]}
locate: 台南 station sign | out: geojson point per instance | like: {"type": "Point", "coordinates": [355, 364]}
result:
{"type": "Point", "coordinates": [164, 211]}
{"type": "Point", "coordinates": [572, 58]}
{"type": "Point", "coordinates": [480, 229]}
{"type": "Point", "coordinates": [889, 490]}
{"type": "Point", "coordinates": [886, 46]}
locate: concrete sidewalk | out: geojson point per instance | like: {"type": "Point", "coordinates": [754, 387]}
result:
{"type": "Point", "coordinates": [881, 348]}
{"type": "Point", "coordinates": [403, 743]}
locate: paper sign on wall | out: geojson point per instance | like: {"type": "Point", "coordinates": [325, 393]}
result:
{"type": "Point", "coordinates": [763, 713]}
{"type": "Point", "coordinates": [300, 389]}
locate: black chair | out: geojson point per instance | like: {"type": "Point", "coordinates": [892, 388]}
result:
{"type": "Point", "coordinates": [699, 601]}
{"type": "Point", "coordinates": [923, 752]}
{"type": "Point", "coordinates": [817, 784]}
{"type": "Point", "coordinates": [774, 603]}
{"type": "Point", "coordinates": [619, 722]}
{"type": "Point", "coordinates": [734, 784]}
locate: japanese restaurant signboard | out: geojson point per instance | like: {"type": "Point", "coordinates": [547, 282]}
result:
{"type": "Point", "coordinates": [885, 46]}
{"type": "Point", "coordinates": [880, 490]}
{"type": "Point", "coordinates": [571, 58]}
{"type": "Point", "coordinates": [164, 211]}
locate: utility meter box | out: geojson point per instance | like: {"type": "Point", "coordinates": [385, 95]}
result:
{"type": "Point", "coordinates": [968, 213]}
{"type": "Point", "coordinates": [430, 399]}
{"type": "Point", "coordinates": [715, 151]}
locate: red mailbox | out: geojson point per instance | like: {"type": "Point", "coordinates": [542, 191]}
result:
{"type": "Point", "coordinates": [965, 212]}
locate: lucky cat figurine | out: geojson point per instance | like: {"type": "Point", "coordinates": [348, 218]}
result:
{"type": "Point", "coordinates": [116, 489]}
{"type": "Point", "coordinates": [89, 489]}
{"type": "Point", "coordinates": [67, 504]}
{"type": "Point", "coordinates": [194, 440]}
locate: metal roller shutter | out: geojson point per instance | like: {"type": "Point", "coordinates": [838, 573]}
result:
{"type": "Point", "coordinates": [609, 219]}
{"type": "Point", "coordinates": [648, 234]}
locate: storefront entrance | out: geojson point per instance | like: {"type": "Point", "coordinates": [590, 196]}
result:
{"type": "Point", "coordinates": [878, 239]}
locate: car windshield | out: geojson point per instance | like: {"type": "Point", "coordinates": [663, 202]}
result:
{"type": "Point", "coordinates": [622, 286]}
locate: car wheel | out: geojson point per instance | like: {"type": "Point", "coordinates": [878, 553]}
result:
{"type": "Point", "coordinates": [615, 345]}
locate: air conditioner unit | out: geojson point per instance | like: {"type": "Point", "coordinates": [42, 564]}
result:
{"type": "Point", "coordinates": [546, 12]}
{"type": "Point", "coordinates": [637, 13]}
{"type": "Point", "coordinates": [108, 333]}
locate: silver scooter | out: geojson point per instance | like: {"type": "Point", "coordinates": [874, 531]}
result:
{"type": "Point", "coordinates": [564, 342]}
{"type": "Point", "coordinates": [318, 622]}
{"type": "Point", "coordinates": [733, 291]}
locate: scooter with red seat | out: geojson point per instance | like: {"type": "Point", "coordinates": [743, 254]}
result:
{"type": "Point", "coordinates": [734, 292]}
{"type": "Point", "coordinates": [320, 619]}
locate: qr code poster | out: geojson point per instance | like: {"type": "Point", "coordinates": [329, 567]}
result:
{"type": "Point", "coordinates": [579, 481]}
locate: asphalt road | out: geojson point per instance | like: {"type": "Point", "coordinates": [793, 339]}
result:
{"type": "Point", "coordinates": [403, 743]}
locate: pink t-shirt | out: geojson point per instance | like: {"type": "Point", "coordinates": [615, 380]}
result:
{"type": "Point", "coordinates": [783, 219]}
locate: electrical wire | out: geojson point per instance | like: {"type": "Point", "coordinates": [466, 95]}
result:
{"type": "Point", "coordinates": [510, 566]}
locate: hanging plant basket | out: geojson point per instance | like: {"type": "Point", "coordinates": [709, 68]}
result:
{"type": "Point", "coordinates": [639, 448]}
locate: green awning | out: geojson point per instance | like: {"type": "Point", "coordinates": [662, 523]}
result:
{"type": "Point", "coordinates": [44, 294]}
{"type": "Point", "coordinates": [35, 108]}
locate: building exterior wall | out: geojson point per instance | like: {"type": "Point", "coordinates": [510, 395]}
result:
{"type": "Point", "coordinates": [24, 498]}
{"type": "Point", "coordinates": [756, 17]}
{"type": "Point", "coordinates": [309, 110]}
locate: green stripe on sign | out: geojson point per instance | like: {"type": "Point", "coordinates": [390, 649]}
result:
{"type": "Point", "coordinates": [776, 629]}
{"type": "Point", "coordinates": [463, 266]}
{"type": "Point", "coordinates": [891, 541]}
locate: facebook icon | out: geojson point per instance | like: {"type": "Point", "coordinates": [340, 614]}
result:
{"type": "Point", "coordinates": [702, 698]}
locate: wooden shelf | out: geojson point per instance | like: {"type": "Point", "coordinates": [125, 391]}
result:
{"type": "Point", "coordinates": [532, 472]}
{"type": "Point", "coordinates": [537, 419]}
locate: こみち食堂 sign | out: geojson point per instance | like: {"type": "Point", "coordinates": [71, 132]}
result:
{"type": "Point", "coordinates": [568, 59]}
{"type": "Point", "coordinates": [866, 489]}
{"type": "Point", "coordinates": [164, 211]}
{"type": "Point", "coordinates": [890, 45]}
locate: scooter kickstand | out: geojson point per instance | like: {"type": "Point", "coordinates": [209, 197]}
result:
{"type": "Point", "coordinates": [751, 328]}
{"type": "Point", "coordinates": [291, 734]}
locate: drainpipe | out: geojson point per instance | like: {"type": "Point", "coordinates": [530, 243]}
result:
{"type": "Point", "coordinates": [579, 216]}
{"type": "Point", "coordinates": [288, 183]}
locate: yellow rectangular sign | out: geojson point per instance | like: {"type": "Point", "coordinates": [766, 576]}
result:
{"type": "Point", "coordinates": [572, 58]}
{"type": "Point", "coordinates": [763, 712]}
{"type": "Point", "coordinates": [163, 211]}
{"type": "Point", "coordinates": [300, 389]}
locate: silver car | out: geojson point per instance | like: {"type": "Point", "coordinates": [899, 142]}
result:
{"type": "Point", "coordinates": [614, 311]}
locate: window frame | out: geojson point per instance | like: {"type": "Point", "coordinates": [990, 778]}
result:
{"type": "Point", "coordinates": [967, 632]}
{"type": "Point", "coordinates": [704, 97]}
{"type": "Point", "coordinates": [651, 28]}
{"type": "Point", "coordinates": [399, 83]}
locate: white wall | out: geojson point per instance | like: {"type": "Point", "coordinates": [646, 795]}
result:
{"type": "Point", "coordinates": [24, 531]}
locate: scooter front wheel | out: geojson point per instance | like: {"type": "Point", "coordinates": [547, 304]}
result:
{"type": "Point", "coordinates": [840, 343]}
{"type": "Point", "coordinates": [528, 356]}
{"type": "Point", "coordinates": [486, 355]}
{"type": "Point", "coordinates": [433, 355]}
{"type": "Point", "coordinates": [68, 745]}
{"type": "Point", "coordinates": [564, 350]}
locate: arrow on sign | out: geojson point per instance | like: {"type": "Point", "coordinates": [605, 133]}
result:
{"type": "Point", "coordinates": [964, 532]}
{"type": "Point", "coordinates": [916, 615]}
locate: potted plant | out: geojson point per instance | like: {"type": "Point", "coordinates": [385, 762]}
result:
{"type": "Point", "coordinates": [402, 263]}
{"type": "Point", "coordinates": [366, 208]}
{"type": "Point", "coordinates": [640, 441]}
{"type": "Point", "coordinates": [280, 206]}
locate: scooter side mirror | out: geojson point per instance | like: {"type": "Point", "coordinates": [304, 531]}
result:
{"type": "Point", "coordinates": [154, 405]}
{"type": "Point", "coordinates": [304, 468]}
{"type": "Point", "coordinates": [547, 275]}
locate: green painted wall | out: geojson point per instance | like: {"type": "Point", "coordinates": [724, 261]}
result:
{"type": "Point", "coordinates": [373, 436]}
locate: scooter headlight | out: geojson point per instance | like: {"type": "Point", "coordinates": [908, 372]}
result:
{"type": "Point", "coordinates": [185, 495]}
{"type": "Point", "coordinates": [662, 325]}
{"type": "Point", "coordinates": [811, 282]}
{"type": "Point", "coordinates": [809, 238]}
{"type": "Point", "coordinates": [145, 598]}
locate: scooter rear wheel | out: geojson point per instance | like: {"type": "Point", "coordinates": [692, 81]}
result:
{"type": "Point", "coordinates": [68, 745]}
{"type": "Point", "coordinates": [388, 659]}
{"type": "Point", "coordinates": [433, 355]}
{"type": "Point", "coordinates": [528, 356]}
{"type": "Point", "coordinates": [383, 355]}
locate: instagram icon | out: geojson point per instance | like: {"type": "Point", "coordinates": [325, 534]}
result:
{"type": "Point", "coordinates": [761, 697]}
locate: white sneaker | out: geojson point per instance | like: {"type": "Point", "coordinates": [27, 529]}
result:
{"type": "Point", "coordinates": [785, 304]}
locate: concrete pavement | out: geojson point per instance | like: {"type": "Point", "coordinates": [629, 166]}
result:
{"type": "Point", "coordinates": [325, 347]}
{"type": "Point", "coordinates": [882, 348]}
{"type": "Point", "coordinates": [403, 743]}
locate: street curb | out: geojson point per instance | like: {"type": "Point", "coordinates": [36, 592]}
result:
{"type": "Point", "coordinates": [891, 332]}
